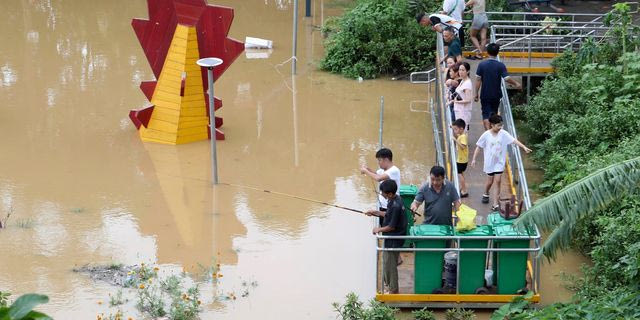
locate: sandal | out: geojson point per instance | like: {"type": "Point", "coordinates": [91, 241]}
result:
{"type": "Point", "coordinates": [495, 207]}
{"type": "Point", "coordinates": [485, 198]}
{"type": "Point", "coordinates": [464, 195]}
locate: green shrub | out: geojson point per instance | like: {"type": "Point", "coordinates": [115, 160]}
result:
{"type": "Point", "coordinates": [353, 309]}
{"type": "Point", "coordinates": [622, 303]}
{"type": "Point", "coordinates": [22, 308]}
{"type": "Point", "coordinates": [459, 314]}
{"type": "Point", "coordinates": [378, 37]}
{"type": "Point", "coordinates": [423, 314]}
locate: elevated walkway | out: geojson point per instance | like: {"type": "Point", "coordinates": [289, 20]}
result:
{"type": "Point", "coordinates": [528, 45]}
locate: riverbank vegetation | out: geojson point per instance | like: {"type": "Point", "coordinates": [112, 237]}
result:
{"type": "Point", "coordinates": [584, 123]}
{"type": "Point", "coordinates": [376, 37]}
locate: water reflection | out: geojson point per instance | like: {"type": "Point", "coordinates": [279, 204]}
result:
{"type": "Point", "coordinates": [73, 163]}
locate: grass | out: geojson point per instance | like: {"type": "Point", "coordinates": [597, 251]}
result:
{"type": "Point", "coordinates": [78, 210]}
{"type": "Point", "coordinates": [26, 223]}
{"type": "Point", "coordinates": [117, 299]}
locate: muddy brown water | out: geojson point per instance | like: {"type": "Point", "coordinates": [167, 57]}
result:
{"type": "Point", "coordinates": [83, 188]}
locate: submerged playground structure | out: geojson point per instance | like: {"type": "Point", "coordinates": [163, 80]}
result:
{"type": "Point", "coordinates": [177, 34]}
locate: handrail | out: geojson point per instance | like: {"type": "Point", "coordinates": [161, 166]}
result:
{"type": "Point", "coordinates": [451, 147]}
{"type": "Point", "coordinates": [430, 76]}
{"type": "Point", "coordinates": [522, 38]}
{"type": "Point", "coordinates": [436, 137]}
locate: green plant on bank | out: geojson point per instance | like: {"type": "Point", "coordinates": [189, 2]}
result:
{"type": "Point", "coordinates": [354, 309]}
{"type": "Point", "coordinates": [117, 299]}
{"type": "Point", "coordinates": [423, 314]}
{"type": "Point", "coordinates": [4, 298]}
{"type": "Point", "coordinates": [515, 307]}
{"type": "Point", "coordinates": [22, 308]}
{"type": "Point", "coordinates": [621, 303]}
{"type": "Point", "coordinates": [459, 314]}
{"type": "Point", "coordinates": [168, 298]}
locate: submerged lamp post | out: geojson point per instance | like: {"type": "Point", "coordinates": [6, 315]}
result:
{"type": "Point", "coordinates": [210, 63]}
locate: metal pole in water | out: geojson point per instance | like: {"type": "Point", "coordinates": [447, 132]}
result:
{"type": "Point", "coordinates": [295, 36]}
{"type": "Point", "coordinates": [307, 12]}
{"type": "Point", "coordinates": [212, 124]}
{"type": "Point", "coordinates": [210, 63]}
{"type": "Point", "coordinates": [381, 118]}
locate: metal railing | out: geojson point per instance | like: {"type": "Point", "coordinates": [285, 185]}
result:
{"type": "Point", "coordinates": [532, 252]}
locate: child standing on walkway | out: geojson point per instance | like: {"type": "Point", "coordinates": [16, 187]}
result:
{"type": "Point", "coordinates": [462, 149]}
{"type": "Point", "coordinates": [494, 143]}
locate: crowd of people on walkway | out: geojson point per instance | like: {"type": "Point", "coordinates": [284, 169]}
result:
{"type": "Point", "coordinates": [440, 197]}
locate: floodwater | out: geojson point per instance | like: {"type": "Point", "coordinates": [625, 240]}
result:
{"type": "Point", "coordinates": [83, 189]}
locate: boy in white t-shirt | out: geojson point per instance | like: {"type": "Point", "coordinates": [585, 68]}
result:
{"type": "Point", "coordinates": [387, 171]}
{"type": "Point", "coordinates": [494, 142]}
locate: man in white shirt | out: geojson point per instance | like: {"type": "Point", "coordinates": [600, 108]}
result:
{"type": "Point", "coordinates": [439, 22]}
{"type": "Point", "coordinates": [386, 171]}
{"type": "Point", "coordinates": [455, 9]}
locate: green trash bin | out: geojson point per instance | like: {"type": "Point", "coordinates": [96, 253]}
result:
{"type": "Point", "coordinates": [511, 266]}
{"type": "Point", "coordinates": [472, 264]}
{"type": "Point", "coordinates": [408, 193]}
{"type": "Point", "coordinates": [494, 220]}
{"type": "Point", "coordinates": [428, 265]}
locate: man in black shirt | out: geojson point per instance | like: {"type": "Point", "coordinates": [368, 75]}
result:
{"type": "Point", "coordinates": [394, 224]}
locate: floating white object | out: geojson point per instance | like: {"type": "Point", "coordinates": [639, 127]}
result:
{"type": "Point", "coordinates": [257, 43]}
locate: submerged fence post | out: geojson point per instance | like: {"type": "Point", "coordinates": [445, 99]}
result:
{"type": "Point", "coordinates": [381, 118]}
{"type": "Point", "coordinates": [295, 37]}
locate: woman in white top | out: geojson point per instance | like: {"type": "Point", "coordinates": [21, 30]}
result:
{"type": "Point", "coordinates": [463, 99]}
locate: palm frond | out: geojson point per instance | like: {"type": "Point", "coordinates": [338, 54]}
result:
{"type": "Point", "coordinates": [559, 212]}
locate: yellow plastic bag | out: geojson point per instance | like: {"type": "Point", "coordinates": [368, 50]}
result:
{"type": "Point", "coordinates": [466, 218]}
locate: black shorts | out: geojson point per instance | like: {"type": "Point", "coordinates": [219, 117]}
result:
{"type": "Point", "coordinates": [461, 167]}
{"type": "Point", "coordinates": [494, 173]}
{"type": "Point", "coordinates": [489, 106]}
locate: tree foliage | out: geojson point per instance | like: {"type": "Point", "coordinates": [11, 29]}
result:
{"type": "Point", "coordinates": [378, 37]}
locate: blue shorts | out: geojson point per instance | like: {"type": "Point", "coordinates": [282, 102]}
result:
{"type": "Point", "coordinates": [489, 107]}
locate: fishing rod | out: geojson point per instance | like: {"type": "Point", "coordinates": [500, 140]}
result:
{"type": "Point", "coordinates": [298, 197]}
{"type": "Point", "coordinates": [292, 196]}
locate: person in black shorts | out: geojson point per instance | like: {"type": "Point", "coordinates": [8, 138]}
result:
{"type": "Point", "coordinates": [462, 150]}
{"type": "Point", "coordinates": [489, 83]}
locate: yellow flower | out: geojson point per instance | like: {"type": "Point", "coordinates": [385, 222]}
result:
{"type": "Point", "coordinates": [142, 286]}
{"type": "Point", "coordinates": [130, 318]}
{"type": "Point", "coordinates": [199, 302]}
{"type": "Point", "coordinates": [99, 302]}
{"type": "Point", "coordinates": [156, 269]}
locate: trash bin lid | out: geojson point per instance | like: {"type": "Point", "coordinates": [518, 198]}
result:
{"type": "Point", "coordinates": [479, 231]}
{"type": "Point", "coordinates": [509, 230]}
{"type": "Point", "coordinates": [408, 190]}
{"type": "Point", "coordinates": [430, 230]}
{"type": "Point", "coordinates": [495, 219]}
